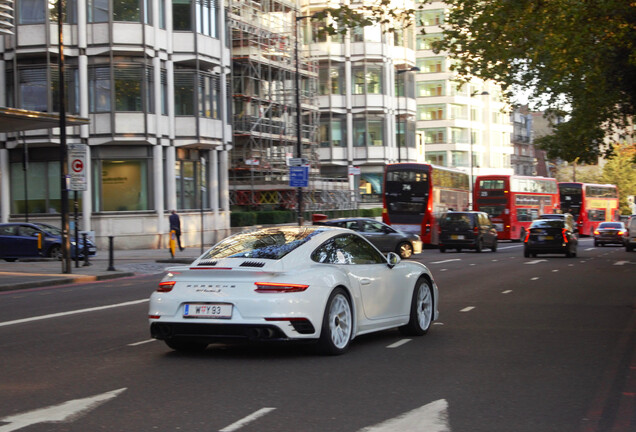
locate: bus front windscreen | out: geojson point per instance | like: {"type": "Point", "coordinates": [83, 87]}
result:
{"type": "Point", "coordinates": [406, 192]}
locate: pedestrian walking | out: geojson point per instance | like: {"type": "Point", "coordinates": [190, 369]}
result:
{"type": "Point", "coordinates": [175, 225]}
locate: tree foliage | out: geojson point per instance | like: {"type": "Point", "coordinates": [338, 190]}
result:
{"type": "Point", "coordinates": [575, 59]}
{"type": "Point", "coordinates": [620, 170]}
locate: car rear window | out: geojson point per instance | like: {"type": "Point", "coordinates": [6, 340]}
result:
{"type": "Point", "coordinates": [270, 243]}
{"type": "Point", "coordinates": [547, 223]}
{"type": "Point", "coordinates": [611, 225]}
{"type": "Point", "coordinates": [457, 219]}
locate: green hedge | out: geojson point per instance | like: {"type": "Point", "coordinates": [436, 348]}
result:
{"type": "Point", "coordinates": [274, 217]}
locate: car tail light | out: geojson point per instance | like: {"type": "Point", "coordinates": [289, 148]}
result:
{"type": "Point", "coordinates": [564, 232]}
{"type": "Point", "coordinates": [527, 237]}
{"type": "Point", "coordinates": [274, 287]}
{"type": "Point", "coordinates": [620, 233]}
{"type": "Point", "coordinates": [166, 286]}
{"type": "Point", "coordinates": [596, 232]}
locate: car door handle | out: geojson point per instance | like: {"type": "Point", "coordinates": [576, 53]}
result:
{"type": "Point", "coordinates": [365, 281]}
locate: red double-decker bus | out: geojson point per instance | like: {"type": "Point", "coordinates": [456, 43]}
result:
{"type": "Point", "coordinates": [417, 194]}
{"type": "Point", "coordinates": [590, 204]}
{"type": "Point", "coordinates": [513, 202]}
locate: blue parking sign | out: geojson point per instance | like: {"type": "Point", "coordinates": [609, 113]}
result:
{"type": "Point", "coordinates": [299, 176]}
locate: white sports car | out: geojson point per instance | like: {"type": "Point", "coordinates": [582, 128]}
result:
{"type": "Point", "coordinates": [315, 283]}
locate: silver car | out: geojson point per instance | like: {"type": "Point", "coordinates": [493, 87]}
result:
{"type": "Point", "coordinates": [383, 236]}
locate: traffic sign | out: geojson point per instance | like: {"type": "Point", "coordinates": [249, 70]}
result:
{"type": "Point", "coordinates": [77, 167]}
{"type": "Point", "coordinates": [298, 176]}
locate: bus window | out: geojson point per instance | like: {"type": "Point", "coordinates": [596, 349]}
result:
{"type": "Point", "coordinates": [596, 215]}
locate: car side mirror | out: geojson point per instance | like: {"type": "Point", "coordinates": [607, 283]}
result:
{"type": "Point", "coordinates": [392, 259]}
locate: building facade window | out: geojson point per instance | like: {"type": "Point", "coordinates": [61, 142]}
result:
{"type": "Point", "coordinates": [431, 64]}
{"type": "Point", "coordinates": [436, 158]}
{"type": "Point", "coordinates": [426, 41]}
{"type": "Point", "coordinates": [430, 88]}
{"type": "Point", "coordinates": [98, 11]}
{"type": "Point", "coordinates": [333, 130]}
{"type": "Point", "coordinates": [71, 89]}
{"type": "Point", "coordinates": [435, 136]}
{"type": "Point", "coordinates": [42, 187]}
{"type": "Point", "coordinates": [99, 89]}
{"type": "Point", "coordinates": [207, 15]}
{"type": "Point", "coordinates": [33, 88]}
{"type": "Point", "coordinates": [368, 130]}
{"type": "Point", "coordinates": [209, 96]}
{"type": "Point", "coordinates": [122, 185]}
{"type": "Point", "coordinates": [132, 84]}
{"type": "Point", "coordinates": [430, 112]}
{"type": "Point", "coordinates": [367, 79]}
{"type": "Point", "coordinates": [182, 15]}
{"type": "Point", "coordinates": [331, 79]}
{"type": "Point", "coordinates": [184, 91]}
{"type": "Point", "coordinates": [431, 17]}
{"type": "Point", "coordinates": [190, 175]}
{"type": "Point", "coordinates": [31, 11]}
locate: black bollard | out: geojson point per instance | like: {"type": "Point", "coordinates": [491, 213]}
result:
{"type": "Point", "coordinates": [86, 263]}
{"type": "Point", "coordinates": [111, 267]}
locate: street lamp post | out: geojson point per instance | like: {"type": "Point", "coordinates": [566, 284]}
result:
{"type": "Point", "coordinates": [471, 198]}
{"type": "Point", "coordinates": [397, 125]}
{"type": "Point", "coordinates": [299, 143]}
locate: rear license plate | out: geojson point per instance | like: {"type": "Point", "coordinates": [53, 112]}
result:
{"type": "Point", "coordinates": [210, 310]}
{"type": "Point", "coordinates": [542, 238]}
{"type": "Point", "coordinates": [457, 237]}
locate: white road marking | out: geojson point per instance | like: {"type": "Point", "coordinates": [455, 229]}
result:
{"type": "Point", "coordinates": [554, 271]}
{"type": "Point", "coordinates": [589, 249]}
{"type": "Point", "coordinates": [506, 292]}
{"type": "Point", "coordinates": [438, 323]}
{"type": "Point", "coordinates": [509, 247]}
{"type": "Point", "coordinates": [445, 261]}
{"type": "Point", "coordinates": [467, 309]}
{"type": "Point", "coordinates": [536, 261]}
{"type": "Point", "coordinates": [142, 342]}
{"type": "Point", "coordinates": [621, 262]}
{"type": "Point", "coordinates": [245, 420]}
{"type": "Point", "coordinates": [399, 343]}
{"type": "Point", "coordinates": [75, 312]}
{"type": "Point", "coordinates": [65, 412]}
{"type": "Point", "coordinates": [432, 417]}
{"type": "Point", "coordinates": [534, 278]}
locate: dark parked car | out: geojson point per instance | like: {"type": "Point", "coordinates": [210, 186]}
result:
{"type": "Point", "coordinates": [467, 230]}
{"type": "Point", "coordinates": [610, 233]}
{"type": "Point", "coordinates": [551, 236]}
{"type": "Point", "coordinates": [384, 237]}
{"type": "Point", "coordinates": [20, 240]}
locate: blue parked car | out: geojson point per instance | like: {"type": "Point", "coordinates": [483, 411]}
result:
{"type": "Point", "coordinates": [20, 240]}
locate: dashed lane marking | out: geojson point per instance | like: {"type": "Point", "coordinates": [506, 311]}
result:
{"type": "Point", "coordinates": [399, 343]}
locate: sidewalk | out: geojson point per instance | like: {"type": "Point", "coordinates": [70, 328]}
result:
{"type": "Point", "coordinates": [31, 273]}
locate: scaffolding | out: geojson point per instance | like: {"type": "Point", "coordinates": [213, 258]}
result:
{"type": "Point", "coordinates": [264, 106]}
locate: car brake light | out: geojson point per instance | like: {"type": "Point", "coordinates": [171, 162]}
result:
{"type": "Point", "coordinates": [273, 287]}
{"type": "Point", "coordinates": [620, 233]}
{"type": "Point", "coordinates": [565, 237]}
{"type": "Point", "coordinates": [527, 237]}
{"type": "Point", "coordinates": [596, 232]}
{"type": "Point", "coordinates": [166, 286]}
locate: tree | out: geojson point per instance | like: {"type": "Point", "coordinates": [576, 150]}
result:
{"type": "Point", "coordinates": [620, 170]}
{"type": "Point", "coordinates": [574, 59]}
